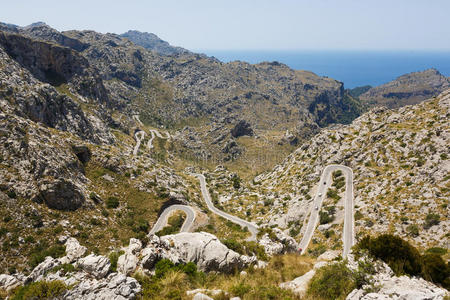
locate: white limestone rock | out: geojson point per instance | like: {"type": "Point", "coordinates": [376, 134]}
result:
{"type": "Point", "coordinates": [74, 250]}
{"type": "Point", "coordinates": [8, 282]}
{"type": "Point", "coordinates": [96, 265]}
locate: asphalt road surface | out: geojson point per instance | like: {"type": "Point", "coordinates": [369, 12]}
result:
{"type": "Point", "coordinates": [251, 227]}
{"type": "Point", "coordinates": [164, 217]}
{"type": "Point", "coordinates": [139, 135]}
{"type": "Point", "coordinates": [324, 183]}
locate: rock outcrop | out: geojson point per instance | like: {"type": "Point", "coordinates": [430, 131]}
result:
{"type": "Point", "coordinates": [115, 287]}
{"type": "Point", "coordinates": [96, 265]}
{"type": "Point", "coordinates": [152, 42]}
{"type": "Point", "coordinates": [61, 194]}
{"type": "Point", "coordinates": [128, 261]}
{"type": "Point", "coordinates": [388, 286]}
{"type": "Point", "coordinates": [204, 249]}
{"type": "Point", "coordinates": [242, 128]}
{"type": "Point", "coordinates": [74, 250]}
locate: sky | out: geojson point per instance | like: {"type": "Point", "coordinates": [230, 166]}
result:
{"type": "Point", "coordinates": [253, 24]}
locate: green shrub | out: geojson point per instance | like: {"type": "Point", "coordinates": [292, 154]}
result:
{"type": "Point", "coordinates": [249, 248]}
{"type": "Point", "coordinates": [333, 193]}
{"type": "Point", "coordinates": [413, 230]}
{"type": "Point", "coordinates": [240, 289]}
{"type": "Point", "coordinates": [332, 282]}
{"type": "Point", "coordinates": [236, 182]}
{"type": "Point", "coordinates": [112, 202]}
{"type": "Point", "coordinates": [11, 194]}
{"type": "Point", "coordinates": [401, 257]}
{"type": "Point", "coordinates": [436, 270]}
{"type": "Point", "coordinates": [337, 174]}
{"type": "Point", "coordinates": [437, 250]}
{"type": "Point", "coordinates": [3, 231]}
{"type": "Point", "coordinates": [325, 217]}
{"type": "Point", "coordinates": [113, 258]}
{"type": "Point", "coordinates": [40, 290]}
{"type": "Point", "coordinates": [431, 220]}
{"type": "Point", "coordinates": [233, 245]}
{"type": "Point", "coordinates": [174, 225]}
{"type": "Point", "coordinates": [42, 250]}
{"type": "Point", "coordinates": [142, 225]}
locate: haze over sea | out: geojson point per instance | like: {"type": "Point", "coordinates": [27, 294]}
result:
{"type": "Point", "coordinates": [354, 68]}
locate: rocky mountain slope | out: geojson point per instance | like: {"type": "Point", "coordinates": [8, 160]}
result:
{"type": "Point", "coordinates": [407, 89]}
{"type": "Point", "coordinates": [400, 161]}
{"type": "Point", "coordinates": [119, 79]}
{"type": "Point", "coordinates": [83, 175]}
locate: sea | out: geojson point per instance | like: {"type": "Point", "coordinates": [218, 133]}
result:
{"type": "Point", "coordinates": [353, 68]}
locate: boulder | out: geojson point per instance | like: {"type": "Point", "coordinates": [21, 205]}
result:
{"type": "Point", "coordinates": [204, 249]}
{"type": "Point", "coordinates": [282, 244]}
{"type": "Point", "coordinates": [96, 265]}
{"type": "Point", "coordinates": [73, 249]}
{"type": "Point", "coordinates": [201, 296]}
{"type": "Point", "coordinates": [115, 286]}
{"type": "Point", "coordinates": [393, 287]}
{"type": "Point", "coordinates": [40, 270]}
{"type": "Point", "coordinates": [61, 194]}
{"type": "Point", "coordinates": [128, 261]}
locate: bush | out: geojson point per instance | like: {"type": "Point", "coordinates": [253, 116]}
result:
{"type": "Point", "coordinates": [325, 217]}
{"type": "Point", "coordinates": [142, 226]}
{"type": "Point", "coordinates": [113, 258]}
{"type": "Point", "coordinates": [240, 289]}
{"type": "Point", "coordinates": [333, 193]}
{"type": "Point", "coordinates": [236, 182]}
{"type": "Point", "coordinates": [431, 220]}
{"type": "Point", "coordinates": [249, 248]}
{"type": "Point", "coordinates": [332, 282]}
{"type": "Point", "coordinates": [11, 194]}
{"type": "Point", "coordinates": [436, 270]}
{"type": "Point", "coordinates": [112, 202]}
{"type": "Point", "coordinates": [401, 257]}
{"type": "Point", "coordinates": [174, 225]}
{"type": "Point", "coordinates": [41, 251]}
{"type": "Point", "coordinates": [413, 230]}
{"type": "Point", "coordinates": [437, 250]}
{"type": "Point", "coordinates": [40, 290]}
{"type": "Point", "coordinates": [165, 266]}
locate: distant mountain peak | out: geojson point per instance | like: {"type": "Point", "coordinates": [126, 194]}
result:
{"type": "Point", "coordinates": [152, 42]}
{"type": "Point", "coordinates": [36, 24]}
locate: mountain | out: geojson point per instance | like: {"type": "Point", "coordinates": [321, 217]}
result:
{"type": "Point", "coordinates": [100, 138]}
{"type": "Point", "coordinates": [152, 42]}
{"type": "Point", "coordinates": [188, 88]}
{"type": "Point", "coordinates": [400, 162]}
{"type": "Point", "coordinates": [407, 89]}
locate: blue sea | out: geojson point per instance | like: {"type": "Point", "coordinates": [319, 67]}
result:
{"type": "Point", "coordinates": [354, 68]}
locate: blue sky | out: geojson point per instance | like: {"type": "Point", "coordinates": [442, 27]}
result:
{"type": "Point", "coordinates": [254, 24]}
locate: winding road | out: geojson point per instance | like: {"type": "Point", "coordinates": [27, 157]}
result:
{"type": "Point", "coordinates": [164, 217]}
{"type": "Point", "coordinates": [154, 133]}
{"type": "Point", "coordinates": [139, 136]}
{"type": "Point", "coordinates": [324, 183]}
{"type": "Point", "coordinates": [251, 227]}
